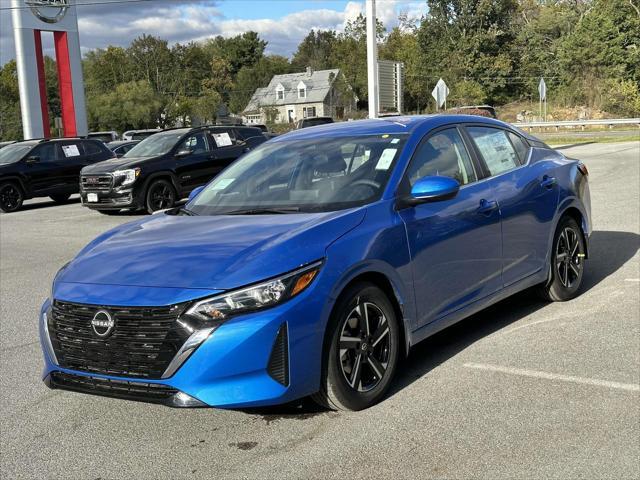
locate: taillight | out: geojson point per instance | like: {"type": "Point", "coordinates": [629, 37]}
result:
{"type": "Point", "coordinates": [583, 169]}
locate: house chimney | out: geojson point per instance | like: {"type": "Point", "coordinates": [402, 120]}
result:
{"type": "Point", "coordinates": [309, 71]}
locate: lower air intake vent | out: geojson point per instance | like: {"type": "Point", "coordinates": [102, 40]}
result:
{"type": "Point", "coordinates": [141, 391]}
{"type": "Point", "coordinates": [279, 360]}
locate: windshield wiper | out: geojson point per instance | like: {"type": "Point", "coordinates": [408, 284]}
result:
{"type": "Point", "coordinates": [263, 211]}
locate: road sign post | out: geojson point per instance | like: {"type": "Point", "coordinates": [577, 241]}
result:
{"type": "Point", "coordinates": [542, 90]}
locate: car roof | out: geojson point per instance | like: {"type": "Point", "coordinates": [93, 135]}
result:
{"type": "Point", "coordinates": [391, 125]}
{"type": "Point", "coordinates": [116, 143]}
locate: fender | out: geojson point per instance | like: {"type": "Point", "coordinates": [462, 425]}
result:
{"type": "Point", "coordinates": [24, 185]}
{"type": "Point", "coordinates": [401, 293]}
{"type": "Point", "coordinates": [163, 173]}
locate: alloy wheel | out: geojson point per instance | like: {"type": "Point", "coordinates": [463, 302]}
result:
{"type": "Point", "coordinates": [161, 197]}
{"type": "Point", "coordinates": [10, 198]}
{"type": "Point", "coordinates": [568, 257]}
{"type": "Point", "coordinates": [364, 346]}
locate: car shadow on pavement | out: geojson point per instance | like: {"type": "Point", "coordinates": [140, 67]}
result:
{"type": "Point", "coordinates": [44, 204]}
{"type": "Point", "coordinates": [608, 252]}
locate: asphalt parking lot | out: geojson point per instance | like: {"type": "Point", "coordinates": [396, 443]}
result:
{"type": "Point", "coordinates": [523, 390]}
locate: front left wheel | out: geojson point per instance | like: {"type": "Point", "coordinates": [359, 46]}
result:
{"type": "Point", "coordinates": [362, 350]}
{"type": "Point", "coordinates": [11, 197]}
{"type": "Point", "coordinates": [160, 195]}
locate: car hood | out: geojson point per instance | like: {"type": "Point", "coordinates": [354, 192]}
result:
{"type": "Point", "coordinates": [113, 164]}
{"type": "Point", "coordinates": [207, 252]}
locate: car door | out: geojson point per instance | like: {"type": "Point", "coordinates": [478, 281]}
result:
{"type": "Point", "coordinates": [527, 195]}
{"type": "Point", "coordinates": [44, 169]}
{"type": "Point", "coordinates": [455, 244]}
{"type": "Point", "coordinates": [227, 148]}
{"type": "Point", "coordinates": [193, 161]}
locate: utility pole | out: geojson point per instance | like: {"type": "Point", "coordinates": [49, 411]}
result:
{"type": "Point", "coordinates": [372, 60]}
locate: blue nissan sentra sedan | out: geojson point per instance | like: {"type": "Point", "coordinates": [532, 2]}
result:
{"type": "Point", "coordinates": [311, 265]}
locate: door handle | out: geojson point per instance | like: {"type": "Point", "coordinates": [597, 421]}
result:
{"type": "Point", "coordinates": [548, 182]}
{"type": "Point", "coordinates": [486, 207]}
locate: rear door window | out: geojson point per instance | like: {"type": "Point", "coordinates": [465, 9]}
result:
{"type": "Point", "coordinates": [496, 149]}
{"type": "Point", "coordinates": [521, 147]}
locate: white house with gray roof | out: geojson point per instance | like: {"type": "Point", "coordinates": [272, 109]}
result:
{"type": "Point", "coordinates": [294, 96]}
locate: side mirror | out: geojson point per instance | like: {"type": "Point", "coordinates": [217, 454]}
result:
{"type": "Point", "coordinates": [33, 159]}
{"type": "Point", "coordinates": [184, 153]}
{"type": "Point", "coordinates": [194, 193]}
{"type": "Point", "coordinates": [431, 189]}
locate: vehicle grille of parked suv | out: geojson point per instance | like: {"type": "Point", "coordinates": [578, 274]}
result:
{"type": "Point", "coordinates": [142, 344]}
{"type": "Point", "coordinates": [98, 183]}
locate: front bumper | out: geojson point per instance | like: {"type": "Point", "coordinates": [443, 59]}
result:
{"type": "Point", "coordinates": [245, 362]}
{"type": "Point", "coordinates": [100, 192]}
{"type": "Point", "coordinates": [109, 200]}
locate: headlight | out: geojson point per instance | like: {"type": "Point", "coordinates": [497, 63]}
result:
{"type": "Point", "coordinates": [263, 295]}
{"type": "Point", "coordinates": [128, 176]}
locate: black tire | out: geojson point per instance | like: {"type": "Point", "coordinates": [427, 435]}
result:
{"type": "Point", "coordinates": [11, 197]}
{"type": "Point", "coordinates": [109, 212]}
{"type": "Point", "coordinates": [358, 366]}
{"type": "Point", "coordinates": [160, 195]}
{"type": "Point", "coordinates": [567, 263]}
{"type": "Point", "coordinates": [61, 198]}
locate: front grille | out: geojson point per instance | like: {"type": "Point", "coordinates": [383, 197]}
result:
{"type": "Point", "coordinates": [141, 345]}
{"type": "Point", "coordinates": [142, 391]}
{"type": "Point", "coordinates": [96, 183]}
{"type": "Point", "coordinates": [278, 367]}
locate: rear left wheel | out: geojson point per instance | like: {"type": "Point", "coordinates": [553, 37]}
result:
{"type": "Point", "coordinates": [362, 351]}
{"type": "Point", "coordinates": [567, 262]}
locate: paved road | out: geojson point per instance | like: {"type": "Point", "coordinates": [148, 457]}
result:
{"type": "Point", "coordinates": [523, 390]}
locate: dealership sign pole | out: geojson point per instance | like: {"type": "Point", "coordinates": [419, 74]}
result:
{"type": "Point", "coordinates": [372, 60]}
{"type": "Point", "coordinates": [30, 19]}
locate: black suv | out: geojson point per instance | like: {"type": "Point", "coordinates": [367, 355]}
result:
{"type": "Point", "coordinates": [45, 168]}
{"type": "Point", "coordinates": [164, 167]}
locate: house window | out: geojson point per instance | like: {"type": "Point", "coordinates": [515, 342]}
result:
{"type": "Point", "coordinates": [280, 94]}
{"type": "Point", "coordinates": [253, 119]}
{"type": "Point", "coordinates": [308, 112]}
{"type": "Point", "coordinates": [302, 90]}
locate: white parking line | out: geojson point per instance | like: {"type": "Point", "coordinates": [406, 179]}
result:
{"type": "Point", "coordinates": [631, 387]}
{"type": "Point", "coordinates": [632, 279]}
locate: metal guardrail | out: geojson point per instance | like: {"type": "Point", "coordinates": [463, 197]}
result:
{"type": "Point", "coordinates": [610, 122]}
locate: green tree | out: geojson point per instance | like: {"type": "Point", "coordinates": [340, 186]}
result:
{"type": "Point", "coordinates": [10, 121]}
{"type": "Point", "coordinates": [131, 105]}
{"type": "Point", "coordinates": [251, 78]}
{"type": "Point", "coordinates": [470, 40]}
{"type": "Point", "coordinates": [315, 50]}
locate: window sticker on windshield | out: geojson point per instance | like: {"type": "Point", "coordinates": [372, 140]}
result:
{"type": "Point", "coordinates": [224, 183]}
{"type": "Point", "coordinates": [386, 158]}
{"type": "Point", "coordinates": [70, 150]}
{"type": "Point", "coordinates": [394, 141]}
{"type": "Point", "coordinates": [222, 139]}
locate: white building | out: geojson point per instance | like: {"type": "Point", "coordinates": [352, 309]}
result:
{"type": "Point", "coordinates": [294, 96]}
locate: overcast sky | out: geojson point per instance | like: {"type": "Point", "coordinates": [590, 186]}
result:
{"type": "Point", "coordinates": [283, 23]}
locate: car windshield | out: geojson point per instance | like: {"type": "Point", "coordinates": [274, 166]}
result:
{"type": "Point", "coordinates": [157, 144]}
{"type": "Point", "coordinates": [289, 176]}
{"type": "Point", "coordinates": [13, 153]}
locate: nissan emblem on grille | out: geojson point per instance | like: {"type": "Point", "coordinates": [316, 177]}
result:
{"type": "Point", "coordinates": [102, 324]}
